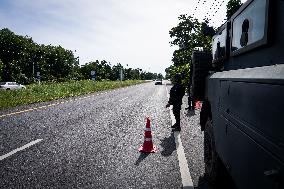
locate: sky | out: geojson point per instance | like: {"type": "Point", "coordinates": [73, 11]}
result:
{"type": "Point", "coordinates": [134, 33]}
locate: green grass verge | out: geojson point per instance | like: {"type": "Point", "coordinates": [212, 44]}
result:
{"type": "Point", "coordinates": [52, 91]}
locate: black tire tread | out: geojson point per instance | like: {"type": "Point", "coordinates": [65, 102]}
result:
{"type": "Point", "coordinates": [214, 168]}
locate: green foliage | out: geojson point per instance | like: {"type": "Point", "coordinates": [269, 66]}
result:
{"type": "Point", "coordinates": [184, 70]}
{"type": "Point", "coordinates": [160, 76]}
{"type": "Point", "coordinates": [22, 58]}
{"type": "Point", "coordinates": [188, 34]}
{"type": "Point", "coordinates": [130, 73]}
{"type": "Point", "coordinates": [232, 7]}
{"type": "Point", "coordinates": [103, 70]}
{"type": "Point", "coordinates": [52, 91]}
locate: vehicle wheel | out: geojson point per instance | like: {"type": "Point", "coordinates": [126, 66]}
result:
{"type": "Point", "coordinates": [214, 169]}
{"type": "Point", "coordinates": [7, 89]}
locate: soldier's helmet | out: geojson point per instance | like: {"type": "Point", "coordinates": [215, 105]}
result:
{"type": "Point", "coordinates": [178, 78]}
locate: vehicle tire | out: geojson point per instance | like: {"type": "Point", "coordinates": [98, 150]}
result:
{"type": "Point", "coordinates": [214, 169]}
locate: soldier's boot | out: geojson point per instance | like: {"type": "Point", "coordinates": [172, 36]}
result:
{"type": "Point", "coordinates": [174, 125]}
{"type": "Point", "coordinates": [176, 129]}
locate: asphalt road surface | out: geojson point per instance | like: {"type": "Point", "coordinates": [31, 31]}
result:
{"type": "Point", "coordinates": [92, 141]}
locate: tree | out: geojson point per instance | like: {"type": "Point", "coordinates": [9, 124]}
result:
{"type": "Point", "coordinates": [232, 7]}
{"type": "Point", "coordinates": [22, 58]}
{"type": "Point", "coordinates": [160, 76]}
{"type": "Point", "coordinates": [115, 74]}
{"type": "Point", "coordinates": [103, 70]}
{"type": "Point", "coordinates": [188, 34]}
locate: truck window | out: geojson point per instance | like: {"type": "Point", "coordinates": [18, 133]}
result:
{"type": "Point", "coordinates": [250, 25]}
{"type": "Point", "coordinates": [219, 45]}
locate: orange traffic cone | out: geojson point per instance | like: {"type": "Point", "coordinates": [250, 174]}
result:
{"type": "Point", "coordinates": [148, 146]}
{"type": "Point", "coordinates": [197, 105]}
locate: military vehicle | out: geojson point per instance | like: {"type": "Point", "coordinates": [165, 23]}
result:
{"type": "Point", "coordinates": [241, 84]}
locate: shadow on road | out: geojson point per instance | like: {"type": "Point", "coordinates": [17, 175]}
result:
{"type": "Point", "coordinates": [141, 158]}
{"type": "Point", "coordinates": [226, 182]}
{"type": "Point", "coordinates": [168, 144]}
{"type": "Point", "coordinates": [190, 113]}
{"type": "Point", "coordinates": [203, 183]}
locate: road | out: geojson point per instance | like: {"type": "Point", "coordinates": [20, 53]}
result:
{"type": "Point", "coordinates": [92, 141]}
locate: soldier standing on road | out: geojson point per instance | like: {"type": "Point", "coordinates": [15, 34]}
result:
{"type": "Point", "coordinates": [176, 95]}
{"type": "Point", "coordinates": [190, 98]}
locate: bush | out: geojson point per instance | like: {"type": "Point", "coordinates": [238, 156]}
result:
{"type": "Point", "coordinates": [47, 91]}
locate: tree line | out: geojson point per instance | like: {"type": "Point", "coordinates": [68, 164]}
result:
{"type": "Point", "coordinates": [25, 61]}
{"type": "Point", "coordinates": [190, 34]}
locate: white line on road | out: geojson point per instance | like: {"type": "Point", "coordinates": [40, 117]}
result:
{"type": "Point", "coordinates": [183, 165]}
{"type": "Point", "coordinates": [20, 149]}
{"type": "Point", "coordinates": [123, 99]}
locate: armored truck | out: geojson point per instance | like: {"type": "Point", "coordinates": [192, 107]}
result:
{"type": "Point", "coordinates": [241, 84]}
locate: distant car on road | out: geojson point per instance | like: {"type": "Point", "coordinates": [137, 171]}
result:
{"type": "Point", "coordinates": [158, 82]}
{"type": "Point", "coordinates": [11, 86]}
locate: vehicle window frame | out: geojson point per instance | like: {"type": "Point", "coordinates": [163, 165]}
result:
{"type": "Point", "coordinates": [262, 42]}
{"type": "Point", "coordinates": [222, 28]}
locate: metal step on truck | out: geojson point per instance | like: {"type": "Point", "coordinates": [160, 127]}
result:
{"type": "Point", "coordinates": [241, 84]}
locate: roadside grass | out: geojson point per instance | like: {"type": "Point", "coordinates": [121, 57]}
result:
{"type": "Point", "coordinates": [52, 91]}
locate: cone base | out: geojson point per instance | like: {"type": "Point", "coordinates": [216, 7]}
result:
{"type": "Point", "coordinates": [153, 150]}
{"type": "Point", "coordinates": [197, 105]}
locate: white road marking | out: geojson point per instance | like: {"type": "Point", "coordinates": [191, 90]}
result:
{"type": "Point", "coordinates": [123, 99]}
{"type": "Point", "coordinates": [20, 149]}
{"type": "Point", "coordinates": [183, 165]}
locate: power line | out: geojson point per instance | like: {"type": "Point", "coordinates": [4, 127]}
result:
{"type": "Point", "coordinates": [207, 13]}
{"type": "Point", "coordinates": [215, 13]}
{"type": "Point", "coordinates": [195, 8]}
{"type": "Point", "coordinates": [213, 10]}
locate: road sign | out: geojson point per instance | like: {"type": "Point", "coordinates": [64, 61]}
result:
{"type": "Point", "coordinates": [93, 75]}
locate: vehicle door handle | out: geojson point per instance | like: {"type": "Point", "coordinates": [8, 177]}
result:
{"type": "Point", "coordinates": [273, 174]}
